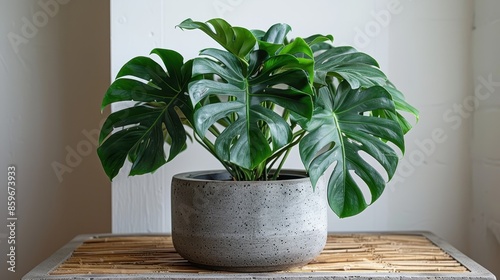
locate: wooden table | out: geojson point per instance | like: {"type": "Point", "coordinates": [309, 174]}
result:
{"type": "Point", "coordinates": [360, 256]}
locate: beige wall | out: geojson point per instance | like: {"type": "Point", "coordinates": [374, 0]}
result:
{"type": "Point", "coordinates": [485, 226]}
{"type": "Point", "coordinates": [54, 69]}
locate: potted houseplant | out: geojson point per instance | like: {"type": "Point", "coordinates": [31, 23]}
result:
{"type": "Point", "coordinates": [249, 104]}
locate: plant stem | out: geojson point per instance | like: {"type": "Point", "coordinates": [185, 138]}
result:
{"type": "Point", "coordinates": [209, 146]}
{"type": "Point", "coordinates": [286, 151]}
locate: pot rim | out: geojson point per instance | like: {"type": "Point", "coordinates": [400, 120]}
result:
{"type": "Point", "coordinates": [222, 173]}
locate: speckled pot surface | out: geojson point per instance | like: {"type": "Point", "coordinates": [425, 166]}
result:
{"type": "Point", "coordinates": [248, 226]}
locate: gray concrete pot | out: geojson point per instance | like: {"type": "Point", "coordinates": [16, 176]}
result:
{"type": "Point", "coordinates": [248, 226]}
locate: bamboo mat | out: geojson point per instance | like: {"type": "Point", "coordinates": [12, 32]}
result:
{"type": "Point", "coordinates": [343, 252]}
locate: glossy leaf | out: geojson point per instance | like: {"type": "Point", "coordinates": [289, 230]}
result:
{"type": "Point", "coordinates": [237, 40]}
{"type": "Point", "coordinates": [273, 39]}
{"type": "Point", "coordinates": [401, 106]}
{"type": "Point", "coordinates": [339, 132]}
{"type": "Point", "coordinates": [360, 70]}
{"type": "Point", "coordinates": [139, 133]}
{"type": "Point", "coordinates": [256, 132]}
{"type": "Point", "coordinates": [319, 39]}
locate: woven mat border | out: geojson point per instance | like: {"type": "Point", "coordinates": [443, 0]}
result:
{"type": "Point", "coordinates": [393, 253]}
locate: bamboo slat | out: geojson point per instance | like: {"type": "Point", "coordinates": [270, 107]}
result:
{"type": "Point", "coordinates": [343, 252]}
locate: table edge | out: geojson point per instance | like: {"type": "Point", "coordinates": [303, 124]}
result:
{"type": "Point", "coordinates": [477, 271]}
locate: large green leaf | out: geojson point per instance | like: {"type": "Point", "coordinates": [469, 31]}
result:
{"type": "Point", "coordinates": [360, 70]}
{"type": "Point", "coordinates": [318, 42]}
{"type": "Point", "coordinates": [401, 106]}
{"type": "Point", "coordinates": [140, 132]}
{"type": "Point", "coordinates": [255, 131]}
{"type": "Point", "coordinates": [237, 40]}
{"type": "Point", "coordinates": [273, 39]}
{"type": "Point", "coordinates": [340, 130]}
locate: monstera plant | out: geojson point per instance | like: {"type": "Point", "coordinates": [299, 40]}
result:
{"type": "Point", "coordinates": [252, 101]}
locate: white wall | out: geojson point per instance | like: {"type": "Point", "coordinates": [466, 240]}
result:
{"type": "Point", "coordinates": [51, 86]}
{"type": "Point", "coordinates": [485, 229]}
{"type": "Point", "coordinates": [424, 46]}
{"type": "Point", "coordinates": [430, 60]}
